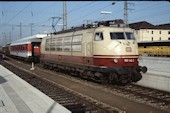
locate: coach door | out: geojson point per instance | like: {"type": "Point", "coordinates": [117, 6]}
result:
{"type": "Point", "coordinates": [35, 50]}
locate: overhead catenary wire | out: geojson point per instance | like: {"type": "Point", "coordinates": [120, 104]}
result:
{"type": "Point", "coordinates": [145, 17]}
{"type": "Point", "coordinates": [75, 20]}
{"type": "Point", "coordinates": [69, 12]}
{"type": "Point", "coordinates": [141, 10]}
{"type": "Point", "coordinates": [5, 11]}
{"type": "Point", "coordinates": [16, 15]}
{"type": "Point", "coordinates": [81, 7]}
{"type": "Point", "coordinates": [149, 16]}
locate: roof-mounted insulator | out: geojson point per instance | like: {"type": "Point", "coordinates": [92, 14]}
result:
{"type": "Point", "coordinates": [115, 23]}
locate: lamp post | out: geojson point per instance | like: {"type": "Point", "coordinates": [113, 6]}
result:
{"type": "Point", "coordinates": [106, 13]}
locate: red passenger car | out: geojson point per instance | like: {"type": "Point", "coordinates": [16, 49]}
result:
{"type": "Point", "coordinates": [27, 48]}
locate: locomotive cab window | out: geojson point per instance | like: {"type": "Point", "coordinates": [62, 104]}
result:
{"type": "Point", "coordinates": [98, 36]}
{"type": "Point", "coordinates": [130, 36]}
{"type": "Point", "coordinates": [121, 35]}
{"type": "Point", "coordinates": [114, 35]}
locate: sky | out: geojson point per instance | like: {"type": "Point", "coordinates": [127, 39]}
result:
{"type": "Point", "coordinates": [17, 17]}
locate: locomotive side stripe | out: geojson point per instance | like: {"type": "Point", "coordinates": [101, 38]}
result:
{"type": "Point", "coordinates": [116, 55]}
{"type": "Point", "coordinates": [108, 62]}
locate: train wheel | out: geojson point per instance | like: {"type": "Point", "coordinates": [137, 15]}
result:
{"type": "Point", "coordinates": [125, 79]}
{"type": "Point", "coordinates": [45, 66]}
{"type": "Point", "coordinates": [90, 75]}
{"type": "Point", "coordinates": [104, 79]}
{"type": "Point", "coordinates": [100, 77]}
{"type": "Point", "coordinates": [124, 82]}
{"type": "Point", "coordinates": [112, 78]}
{"type": "Point", "coordinates": [136, 76]}
{"type": "Point", "coordinates": [56, 69]}
{"type": "Point", "coordinates": [82, 73]}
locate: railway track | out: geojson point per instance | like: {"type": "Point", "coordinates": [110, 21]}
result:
{"type": "Point", "coordinates": [155, 98]}
{"type": "Point", "coordinates": [152, 97]}
{"type": "Point", "coordinates": [158, 95]}
{"type": "Point", "coordinates": [76, 103]}
{"type": "Point", "coordinates": [149, 96]}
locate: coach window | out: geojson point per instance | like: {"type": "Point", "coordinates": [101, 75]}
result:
{"type": "Point", "coordinates": [52, 47]}
{"type": "Point", "coordinates": [98, 36]}
{"type": "Point", "coordinates": [23, 47]}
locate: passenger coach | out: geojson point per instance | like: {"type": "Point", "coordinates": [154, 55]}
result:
{"type": "Point", "coordinates": [27, 48]}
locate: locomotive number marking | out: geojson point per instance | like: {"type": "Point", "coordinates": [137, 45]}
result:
{"type": "Point", "coordinates": [129, 60]}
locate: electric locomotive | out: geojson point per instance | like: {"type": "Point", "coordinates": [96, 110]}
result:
{"type": "Point", "coordinates": [105, 51]}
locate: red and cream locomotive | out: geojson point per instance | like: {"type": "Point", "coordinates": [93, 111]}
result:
{"type": "Point", "coordinates": [106, 51]}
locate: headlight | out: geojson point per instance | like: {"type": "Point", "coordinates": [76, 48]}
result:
{"type": "Point", "coordinates": [116, 60]}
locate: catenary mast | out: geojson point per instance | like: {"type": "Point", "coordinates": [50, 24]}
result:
{"type": "Point", "coordinates": [64, 15]}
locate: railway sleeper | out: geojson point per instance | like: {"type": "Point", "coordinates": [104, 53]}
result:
{"type": "Point", "coordinates": [65, 99]}
{"type": "Point", "coordinates": [79, 108]}
{"type": "Point", "coordinates": [70, 103]}
{"type": "Point", "coordinates": [166, 97]}
{"type": "Point", "coordinates": [57, 96]}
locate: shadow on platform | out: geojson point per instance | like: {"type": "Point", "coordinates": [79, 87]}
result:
{"type": "Point", "coordinates": [2, 80]}
{"type": "Point", "coordinates": [51, 107]}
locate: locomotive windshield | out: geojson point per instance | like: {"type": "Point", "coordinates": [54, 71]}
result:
{"type": "Point", "coordinates": [121, 35]}
{"type": "Point", "coordinates": [130, 36]}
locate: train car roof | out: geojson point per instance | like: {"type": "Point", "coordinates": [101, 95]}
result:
{"type": "Point", "coordinates": [155, 43]}
{"type": "Point", "coordinates": [30, 39]}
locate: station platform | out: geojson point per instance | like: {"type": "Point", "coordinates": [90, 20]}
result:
{"type": "Point", "coordinates": [17, 96]}
{"type": "Point", "coordinates": [158, 74]}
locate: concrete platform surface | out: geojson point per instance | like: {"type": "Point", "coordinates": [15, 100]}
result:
{"type": "Point", "coordinates": [17, 96]}
{"type": "Point", "coordinates": [158, 74]}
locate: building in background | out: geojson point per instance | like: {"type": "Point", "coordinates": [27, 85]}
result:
{"type": "Point", "coordinates": [146, 32]}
